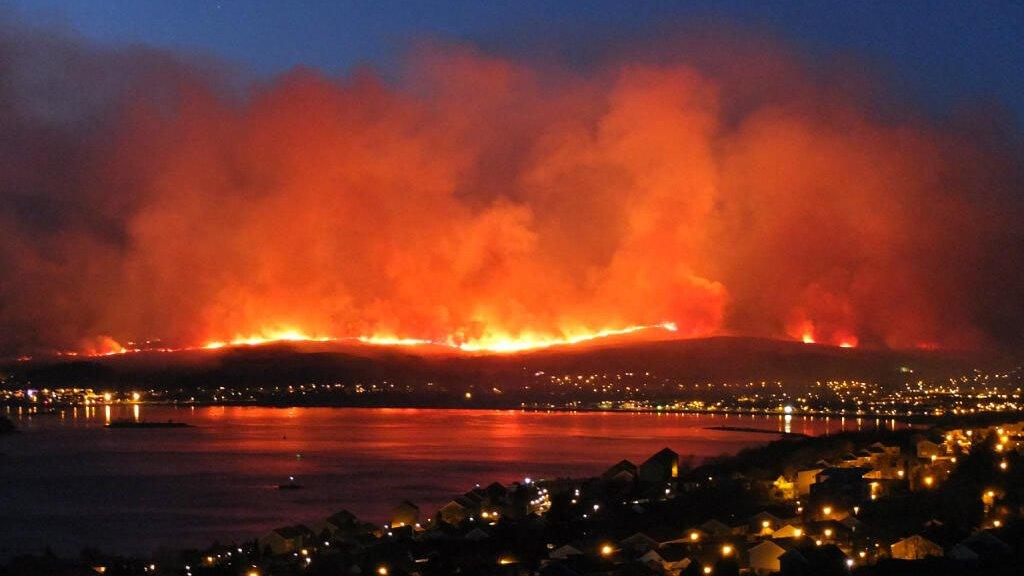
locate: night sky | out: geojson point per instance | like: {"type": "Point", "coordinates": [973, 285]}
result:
{"type": "Point", "coordinates": [943, 52]}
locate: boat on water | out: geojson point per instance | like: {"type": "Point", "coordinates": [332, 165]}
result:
{"type": "Point", "coordinates": [291, 485]}
{"type": "Point", "coordinates": [145, 424]}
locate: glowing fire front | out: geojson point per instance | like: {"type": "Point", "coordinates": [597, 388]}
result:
{"type": "Point", "coordinates": [490, 343]}
{"type": "Point", "coordinates": [497, 343]}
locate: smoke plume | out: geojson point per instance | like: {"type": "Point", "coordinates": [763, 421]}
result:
{"type": "Point", "coordinates": [479, 196]}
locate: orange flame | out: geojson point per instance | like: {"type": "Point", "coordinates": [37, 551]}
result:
{"type": "Point", "coordinates": [496, 343]}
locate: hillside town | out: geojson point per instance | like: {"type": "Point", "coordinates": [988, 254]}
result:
{"type": "Point", "coordinates": [942, 500]}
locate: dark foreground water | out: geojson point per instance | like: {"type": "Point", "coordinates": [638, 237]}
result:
{"type": "Point", "coordinates": [68, 482]}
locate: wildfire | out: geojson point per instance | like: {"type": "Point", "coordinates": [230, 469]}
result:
{"type": "Point", "coordinates": [807, 332]}
{"type": "Point", "coordinates": [267, 337]}
{"type": "Point", "coordinates": [495, 343]}
{"type": "Point", "coordinates": [502, 343]}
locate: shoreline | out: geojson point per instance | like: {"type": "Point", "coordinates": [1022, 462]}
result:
{"type": "Point", "coordinates": [54, 410]}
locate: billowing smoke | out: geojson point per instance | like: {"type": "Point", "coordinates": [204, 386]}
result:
{"type": "Point", "coordinates": [479, 196]}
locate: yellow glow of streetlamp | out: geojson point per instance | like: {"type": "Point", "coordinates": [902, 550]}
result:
{"type": "Point", "coordinates": [726, 550]}
{"type": "Point", "coordinates": [382, 570]}
{"type": "Point", "coordinates": [694, 536]}
{"type": "Point", "coordinates": [607, 550]}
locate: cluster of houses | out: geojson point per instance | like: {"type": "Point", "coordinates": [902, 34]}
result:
{"type": "Point", "coordinates": [483, 506]}
{"type": "Point", "coordinates": [811, 519]}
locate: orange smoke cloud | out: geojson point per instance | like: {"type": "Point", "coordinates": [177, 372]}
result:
{"type": "Point", "coordinates": [484, 202]}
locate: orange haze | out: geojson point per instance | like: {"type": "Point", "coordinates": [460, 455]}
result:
{"type": "Point", "coordinates": [488, 203]}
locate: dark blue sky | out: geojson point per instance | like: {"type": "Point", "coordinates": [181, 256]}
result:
{"type": "Point", "coordinates": [943, 51]}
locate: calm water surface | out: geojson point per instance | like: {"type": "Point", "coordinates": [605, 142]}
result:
{"type": "Point", "coordinates": [68, 482]}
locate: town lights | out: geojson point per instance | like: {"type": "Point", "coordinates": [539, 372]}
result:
{"type": "Point", "coordinates": [606, 550]}
{"type": "Point", "coordinates": [828, 532]}
{"type": "Point", "coordinates": [928, 481]}
{"type": "Point", "coordinates": [707, 569]}
{"type": "Point", "coordinates": [694, 536]}
{"type": "Point", "coordinates": [382, 570]}
{"type": "Point", "coordinates": [826, 510]}
{"type": "Point", "coordinates": [726, 550]}
{"type": "Point", "coordinates": [1003, 465]}
{"type": "Point", "coordinates": [798, 532]}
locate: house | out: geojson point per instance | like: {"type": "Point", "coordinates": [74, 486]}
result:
{"type": "Point", "coordinates": [405, 514]}
{"type": "Point", "coordinates": [624, 472]}
{"type": "Point", "coordinates": [981, 545]}
{"type": "Point", "coordinates": [813, 561]}
{"type": "Point", "coordinates": [668, 559]}
{"type": "Point", "coordinates": [915, 547]}
{"type": "Point", "coordinates": [887, 450]}
{"type": "Point", "coordinates": [763, 558]}
{"type": "Point", "coordinates": [661, 467]}
{"type": "Point", "coordinates": [763, 523]}
{"type": "Point", "coordinates": [639, 542]}
{"type": "Point", "coordinates": [654, 537]}
{"type": "Point", "coordinates": [804, 479]}
{"type": "Point", "coordinates": [926, 449]}
{"type": "Point", "coordinates": [343, 523]}
{"type": "Point", "coordinates": [788, 531]}
{"type": "Point", "coordinates": [715, 528]}
{"type": "Point", "coordinates": [286, 540]}
{"type": "Point", "coordinates": [565, 551]}
{"type": "Point", "coordinates": [458, 509]}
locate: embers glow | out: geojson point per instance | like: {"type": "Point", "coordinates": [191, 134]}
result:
{"type": "Point", "coordinates": [502, 343]}
{"type": "Point", "coordinates": [493, 343]}
{"type": "Point", "coordinates": [267, 337]}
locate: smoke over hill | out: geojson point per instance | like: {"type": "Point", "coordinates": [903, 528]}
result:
{"type": "Point", "coordinates": [482, 199]}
